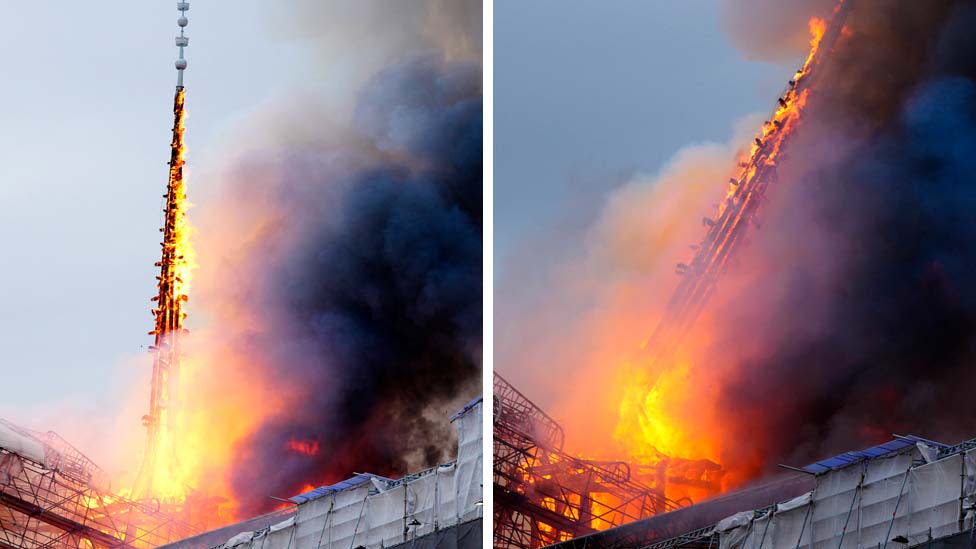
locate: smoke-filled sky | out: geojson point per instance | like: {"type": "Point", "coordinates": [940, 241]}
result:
{"type": "Point", "coordinates": [848, 315]}
{"type": "Point", "coordinates": [589, 93]}
{"type": "Point", "coordinates": [874, 242]}
{"type": "Point", "coordinates": [347, 285]}
{"type": "Point", "coordinates": [334, 161]}
{"type": "Point", "coordinates": [590, 96]}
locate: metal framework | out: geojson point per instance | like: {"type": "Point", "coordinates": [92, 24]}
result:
{"type": "Point", "coordinates": [727, 233]}
{"type": "Point", "coordinates": [543, 495]}
{"type": "Point", "coordinates": [694, 527]}
{"type": "Point", "coordinates": [62, 503]}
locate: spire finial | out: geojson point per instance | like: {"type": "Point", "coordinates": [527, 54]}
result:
{"type": "Point", "coordinates": [182, 41]}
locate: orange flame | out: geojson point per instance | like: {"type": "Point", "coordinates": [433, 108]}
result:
{"type": "Point", "coordinates": [160, 476]}
{"type": "Point", "coordinates": [191, 431]}
{"type": "Point", "coordinates": [660, 424]}
{"type": "Point", "coordinates": [303, 447]}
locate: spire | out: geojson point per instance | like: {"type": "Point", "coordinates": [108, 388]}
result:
{"type": "Point", "coordinates": [182, 41]}
{"type": "Point", "coordinates": [159, 476]}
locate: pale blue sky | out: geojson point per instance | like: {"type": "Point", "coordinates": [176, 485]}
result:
{"type": "Point", "coordinates": [87, 96]}
{"type": "Point", "coordinates": [589, 93]}
{"type": "Point", "coordinates": [586, 94]}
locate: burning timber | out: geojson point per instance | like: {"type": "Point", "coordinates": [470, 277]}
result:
{"type": "Point", "coordinates": [169, 315]}
{"type": "Point", "coordinates": [579, 511]}
{"type": "Point", "coordinates": [907, 492]}
{"type": "Point", "coordinates": [439, 507]}
{"type": "Point", "coordinates": [544, 495]}
{"type": "Point", "coordinates": [156, 477]}
{"type": "Point", "coordinates": [727, 233]}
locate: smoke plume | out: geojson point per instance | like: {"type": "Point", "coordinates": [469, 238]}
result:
{"type": "Point", "coordinates": [851, 313]}
{"type": "Point", "coordinates": [591, 315]}
{"type": "Point", "coordinates": [341, 274]}
{"type": "Point", "coordinates": [771, 30]}
{"type": "Point", "coordinates": [864, 312]}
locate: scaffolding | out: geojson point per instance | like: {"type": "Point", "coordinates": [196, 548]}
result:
{"type": "Point", "coordinates": [441, 506]}
{"type": "Point", "coordinates": [726, 234]}
{"type": "Point", "coordinates": [542, 494]}
{"type": "Point", "coordinates": [906, 492]}
{"type": "Point", "coordinates": [52, 496]}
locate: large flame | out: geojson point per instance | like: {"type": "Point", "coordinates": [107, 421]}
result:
{"type": "Point", "coordinates": [201, 408]}
{"type": "Point", "coordinates": [237, 367]}
{"type": "Point", "coordinates": [182, 230]}
{"type": "Point", "coordinates": [161, 476]}
{"type": "Point", "coordinates": [658, 416]}
{"type": "Point", "coordinates": [191, 433]}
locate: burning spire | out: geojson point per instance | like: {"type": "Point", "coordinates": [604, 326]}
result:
{"type": "Point", "coordinates": [649, 423]}
{"type": "Point", "coordinates": [727, 232]}
{"type": "Point", "coordinates": [156, 476]}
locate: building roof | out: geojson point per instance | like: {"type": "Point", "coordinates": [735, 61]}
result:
{"type": "Point", "coordinates": [702, 517]}
{"type": "Point", "coordinates": [467, 407]}
{"type": "Point", "coordinates": [847, 458]}
{"type": "Point", "coordinates": [360, 478]}
{"type": "Point", "coordinates": [351, 482]}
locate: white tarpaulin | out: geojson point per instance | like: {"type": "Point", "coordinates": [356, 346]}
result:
{"type": "Point", "coordinates": [734, 529]}
{"type": "Point", "coordinates": [969, 489]}
{"type": "Point", "coordinates": [373, 512]}
{"type": "Point", "coordinates": [16, 443]}
{"type": "Point", "coordinates": [910, 495]}
{"type": "Point", "coordinates": [467, 476]}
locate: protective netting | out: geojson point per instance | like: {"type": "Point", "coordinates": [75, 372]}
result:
{"type": "Point", "coordinates": [906, 498]}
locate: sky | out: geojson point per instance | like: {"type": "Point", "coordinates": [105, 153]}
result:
{"type": "Point", "coordinates": [87, 124]}
{"type": "Point", "coordinates": [588, 94]}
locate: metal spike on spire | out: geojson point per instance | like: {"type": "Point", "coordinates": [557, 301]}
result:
{"type": "Point", "coordinates": [182, 41]}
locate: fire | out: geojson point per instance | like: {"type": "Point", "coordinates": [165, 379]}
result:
{"type": "Point", "coordinates": [195, 418]}
{"type": "Point", "coordinates": [652, 405]}
{"type": "Point", "coordinates": [661, 426]}
{"type": "Point", "coordinates": [161, 475]}
{"type": "Point", "coordinates": [303, 447]}
{"type": "Point", "coordinates": [185, 256]}
{"type": "Point", "coordinates": [818, 27]}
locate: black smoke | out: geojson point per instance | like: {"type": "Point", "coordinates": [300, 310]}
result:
{"type": "Point", "coordinates": [373, 312]}
{"type": "Point", "coordinates": [865, 306]}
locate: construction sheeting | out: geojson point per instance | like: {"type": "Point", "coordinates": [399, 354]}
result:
{"type": "Point", "coordinates": [467, 535]}
{"type": "Point", "coordinates": [909, 495]}
{"type": "Point", "coordinates": [25, 446]}
{"type": "Point", "coordinates": [468, 475]}
{"type": "Point", "coordinates": [217, 538]}
{"type": "Point", "coordinates": [372, 511]}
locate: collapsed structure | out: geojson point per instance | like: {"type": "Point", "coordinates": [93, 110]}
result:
{"type": "Point", "coordinates": [52, 496]}
{"type": "Point", "coordinates": [438, 507]}
{"type": "Point", "coordinates": [544, 495]}
{"type": "Point", "coordinates": [907, 492]}
{"type": "Point", "coordinates": [728, 232]}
